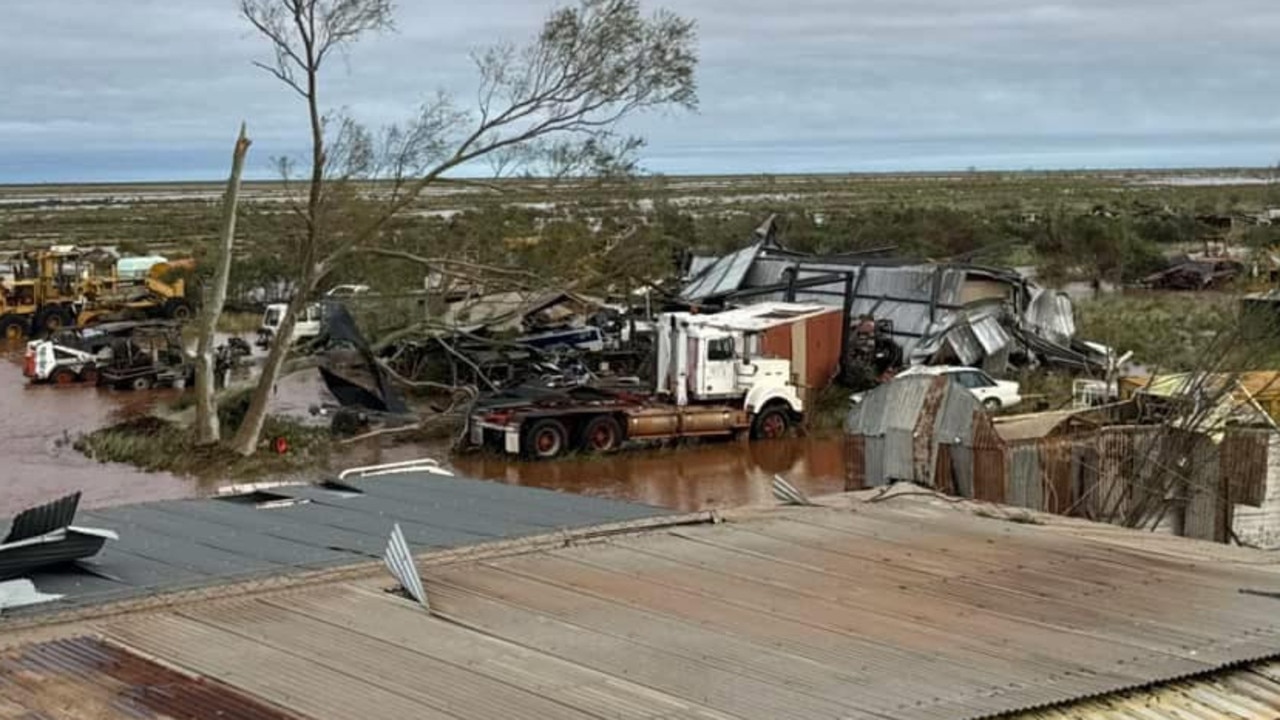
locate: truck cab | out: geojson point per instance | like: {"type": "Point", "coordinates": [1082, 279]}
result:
{"type": "Point", "coordinates": [702, 361]}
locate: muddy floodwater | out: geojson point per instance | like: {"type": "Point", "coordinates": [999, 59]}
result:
{"type": "Point", "coordinates": [696, 477]}
{"type": "Point", "coordinates": [39, 423]}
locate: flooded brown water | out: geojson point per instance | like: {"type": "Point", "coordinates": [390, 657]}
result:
{"type": "Point", "coordinates": [696, 477]}
{"type": "Point", "coordinates": [39, 423]}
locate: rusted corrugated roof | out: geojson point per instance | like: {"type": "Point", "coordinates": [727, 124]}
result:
{"type": "Point", "coordinates": [87, 679]}
{"type": "Point", "coordinates": [903, 608]}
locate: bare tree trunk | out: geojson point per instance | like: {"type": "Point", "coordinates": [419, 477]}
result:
{"type": "Point", "coordinates": [207, 430]}
{"type": "Point", "coordinates": [249, 433]}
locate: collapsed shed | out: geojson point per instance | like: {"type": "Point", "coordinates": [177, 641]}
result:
{"type": "Point", "coordinates": [1091, 464]}
{"type": "Point", "coordinates": [967, 313]}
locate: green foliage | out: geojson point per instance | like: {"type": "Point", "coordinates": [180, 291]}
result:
{"type": "Point", "coordinates": [1169, 332]}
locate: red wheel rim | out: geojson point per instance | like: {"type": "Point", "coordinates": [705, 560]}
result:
{"type": "Point", "coordinates": [89, 376]}
{"type": "Point", "coordinates": [63, 378]}
{"type": "Point", "coordinates": [547, 441]}
{"type": "Point", "coordinates": [602, 438]}
{"type": "Point", "coordinates": [774, 426]}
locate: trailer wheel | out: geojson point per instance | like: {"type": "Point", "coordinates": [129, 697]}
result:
{"type": "Point", "coordinates": [62, 376]}
{"type": "Point", "coordinates": [142, 382]}
{"type": "Point", "coordinates": [545, 439]}
{"type": "Point", "coordinates": [602, 434]}
{"type": "Point", "coordinates": [771, 423]}
{"type": "Point", "coordinates": [13, 327]}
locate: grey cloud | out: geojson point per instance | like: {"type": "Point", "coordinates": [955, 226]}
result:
{"type": "Point", "coordinates": [805, 85]}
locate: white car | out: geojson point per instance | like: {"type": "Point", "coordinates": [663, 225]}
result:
{"type": "Point", "coordinates": [993, 394]}
{"type": "Point", "coordinates": [305, 327]}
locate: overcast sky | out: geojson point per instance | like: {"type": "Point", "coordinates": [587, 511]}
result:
{"type": "Point", "coordinates": [155, 89]}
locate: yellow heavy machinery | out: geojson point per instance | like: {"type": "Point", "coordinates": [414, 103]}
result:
{"type": "Point", "coordinates": [65, 286]}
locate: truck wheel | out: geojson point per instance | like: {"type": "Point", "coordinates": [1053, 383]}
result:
{"type": "Point", "coordinates": [601, 435]}
{"type": "Point", "coordinates": [62, 376]}
{"type": "Point", "coordinates": [13, 327]}
{"type": "Point", "coordinates": [177, 309]}
{"type": "Point", "coordinates": [770, 424]}
{"type": "Point", "coordinates": [51, 319]}
{"type": "Point", "coordinates": [546, 439]}
{"type": "Point", "coordinates": [142, 382]}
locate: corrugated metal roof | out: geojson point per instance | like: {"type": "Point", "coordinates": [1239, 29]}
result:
{"type": "Point", "coordinates": [892, 406]}
{"type": "Point", "coordinates": [86, 679]}
{"type": "Point", "coordinates": [185, 544]}
{"type": "Point", "coordinates": [725, 275]}
{"type": "Point", "coordinates": [1248, 692]}
{"type": "Point", "coordinates": [1033, 425]}
{"type": "Point", "coordinates": [904, 608]}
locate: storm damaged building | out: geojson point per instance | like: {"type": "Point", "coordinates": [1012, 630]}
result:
{"type": "Point", "coordinates": [937, 313]}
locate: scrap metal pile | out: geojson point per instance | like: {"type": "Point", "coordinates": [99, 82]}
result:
{"type": "Point", "coordinates": [889, 314]}
{"type": "Point", "coordinates": [936, 313]}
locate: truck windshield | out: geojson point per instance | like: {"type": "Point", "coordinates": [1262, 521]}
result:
{"type": "Point", "coordinates": [720, 349]}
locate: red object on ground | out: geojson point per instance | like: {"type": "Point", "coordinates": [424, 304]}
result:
{"type": "Point", "coordinates": [281, 445]}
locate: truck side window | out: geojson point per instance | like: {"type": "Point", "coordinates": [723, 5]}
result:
{"type": "Point", "coordinates": [720, 349]}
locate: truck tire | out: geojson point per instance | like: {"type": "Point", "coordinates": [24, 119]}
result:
{"type": "Point", "coordinates": [13, 327]}
{"type": "Point", "coordinates": [178, 309]}
{"type": "Point", "coordinates": [770, 423]}
{"type": "Point", "coordinates": [545, 439]}
{"type": "Point", "coordinates": [142, 382]}
{"type": "Point", "coordinates": [62, 376]}
{"type": "Point", "coordinates": [51, 319]}
{"type": "Point", "coordinates": [601, 434]}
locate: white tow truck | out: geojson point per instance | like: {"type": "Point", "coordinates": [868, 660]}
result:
{"type": "Point", "coordinates": [713, 378]}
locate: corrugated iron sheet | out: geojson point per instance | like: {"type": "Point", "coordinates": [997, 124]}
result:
{"type": "Point", "coordinates": [87, 679]}
{"type": "Point", "coordinates": [723, 276]}
{"type": "Point", "coordinates": [1050, 313]}
{"type": "Point", "coordinates": [1248, 692]}
{"type": "Point", "coordinates": [1025, 481]}
{"type": "Point", "coordinates": [1243, 464]}
{"type": "Point", "coordinates": [43, 519]}
{"type": "Point", "coordinates": [904, 608]}
{"type": "Point", "coordinates": [991, 335]}
{"type": "Point", "coordinates": [855, 463]}
{"type": "Point", "coordinates": [925, 435]}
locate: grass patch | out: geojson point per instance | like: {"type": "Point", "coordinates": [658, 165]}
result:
{"type": "Point", "coordinates": [239, 323]}
{"type": "Point", "coordinates": [157, 445]}
{"type": "Point", "coordinates": [1170, 331]}
{"type": "Point", "coordinates": [829, 410]}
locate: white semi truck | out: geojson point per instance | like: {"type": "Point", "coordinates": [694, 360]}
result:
{"type": "Point", "coordinates": [713, 378]}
